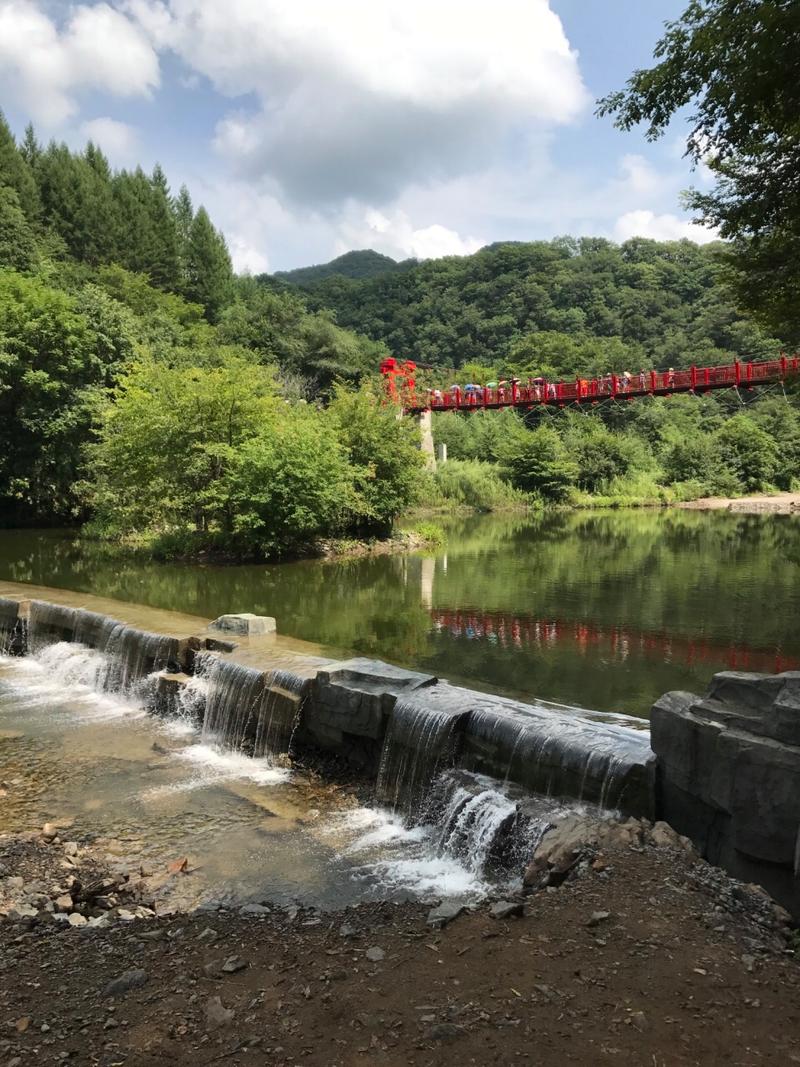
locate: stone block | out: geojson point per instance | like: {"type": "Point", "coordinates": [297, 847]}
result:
{"type": "Point", "coordinates": [354, 699]}
{"type": "Point", "coordinates": [245, 624]}
{"type": "Point", "coordinates": [728, 775]}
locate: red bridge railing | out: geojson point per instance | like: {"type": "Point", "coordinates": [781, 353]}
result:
{"type": "Point", "coordinates": [540, 392]}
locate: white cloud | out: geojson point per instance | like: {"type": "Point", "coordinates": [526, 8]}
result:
{"type": "Point", "coordinates": [396, 236]}
{"type": "Point", "coordinates": [44, 65]}
{"type": "Point", "coordinates": [640, 176]}
{"type": "Point", "coordinates": [117, 139]}
{"type": "Point", "coordinates": [247, 259]}
{"type": "Point", "coordinates": [666, 227]}
{"type": "Point", "coordinates": [357, 100]}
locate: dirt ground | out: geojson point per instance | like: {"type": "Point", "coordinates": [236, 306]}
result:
{"type": "Point", "coordinates": [779, 503]}
{"type": "Point", "coordinates": [646, 956]}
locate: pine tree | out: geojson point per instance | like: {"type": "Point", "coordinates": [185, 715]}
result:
{"type": "Point", "coordinates": [132, 194]}
{"type": "Point", "coordinates": [164, 253]}
{"type": "Point", "coordinates": [17, 243]}
{"type": "Point", "coordinates": [210, 274]}
{"type": "Point", "coordinates": [16, 174]}
{"type": "Point", "coordinates": [30, 149]}
{"type": "Point", "coordinates": [184, 215]}
{"type": "Point", "coordinates": [76, 201]}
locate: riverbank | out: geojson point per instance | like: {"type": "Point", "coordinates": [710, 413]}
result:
{"type": "Point", "coordinates": [644, 955]}
{"type": "Point", "coordinates": [762, 503]}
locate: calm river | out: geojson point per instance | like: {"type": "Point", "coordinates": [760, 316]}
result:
{"type": "Point", "coordinates": [600, 610]}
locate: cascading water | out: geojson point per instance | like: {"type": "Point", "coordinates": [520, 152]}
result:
{"type": "Point", "coordinates": [477, 822]}
{"type": "Point", "coordinates": [418, 742]}
{"type": "Point", "coordinates": [247, 710]}
{"type": "Point", "coordinates": [555, 754]}
{"type": "Point", "coordinates": [130, 655]}
{"type": "Point", "coordinates": [12, 629]}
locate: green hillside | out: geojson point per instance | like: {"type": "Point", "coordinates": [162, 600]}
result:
{"type": "Point", "coordinates": [358, 265]}
{"type": "Point", "coordinates": [570, 305]}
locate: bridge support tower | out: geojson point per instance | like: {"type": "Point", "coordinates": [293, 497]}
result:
{"type": "Point", "coordinates": [425, 423]}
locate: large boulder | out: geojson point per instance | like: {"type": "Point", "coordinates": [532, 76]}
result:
{"type": "Point", "coordinates": [728, 775]}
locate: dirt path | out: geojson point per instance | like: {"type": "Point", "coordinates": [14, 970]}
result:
{"type": "Point", "coordinates": [645, 957]}
{"type": "Point", "coordinates": [779, 503]}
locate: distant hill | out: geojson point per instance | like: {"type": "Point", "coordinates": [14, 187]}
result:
{"type": "Point", "coordinates": [361, 264]}
{"type": "Point", "coordinates": [566, 306]}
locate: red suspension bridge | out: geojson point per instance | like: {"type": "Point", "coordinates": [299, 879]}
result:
{"type": "Point", "coordinates": [400, 379]}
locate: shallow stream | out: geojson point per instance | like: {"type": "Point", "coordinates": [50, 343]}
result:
{"type": "Point", "coordinates": [600, 611]}
{"type": "Point", "coordinates": [604, 610]}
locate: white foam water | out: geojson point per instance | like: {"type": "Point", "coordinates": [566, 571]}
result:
{"type": "Point", "coordinates": [209, 765]}
{"type": "Point", "coordinates": [470, 836]}
{"type": "Point", "coordinates": [66, 674]}
{"type": "Point", "coordinates": [400, 858]}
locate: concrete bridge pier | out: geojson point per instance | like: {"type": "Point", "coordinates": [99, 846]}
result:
{"type": "Point", "coordinates": [424, 421]}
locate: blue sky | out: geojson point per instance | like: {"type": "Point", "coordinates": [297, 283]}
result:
{"type": "Point", "coordinates": [416, 127]}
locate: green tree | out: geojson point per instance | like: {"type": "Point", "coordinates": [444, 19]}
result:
{"type": "Point", "coordinates": [726, 59]}
{"type": "Point", "coordinates": [147, 235]}
{"type": "Point", "coordinates": [50, 370]}
{"type": "Point", "coordinates": [598, 454]}
{"type": "Point", "coordinates": [291, 483]}
{"type": "Point", "coordinates": [164, 267]}
{"type": "Point", "coordinates": [209, 272]}
{"type": "Point", "coordinates": [168, 443]}
{"type": "Point", "coordinates": [18, 249]}
{"type": "Point", "coordinates": [16, 173]}
{"type": "Point", "coordinates": [691, 459]}
{"type": "Point", "coordinates": [537, 462]}
{"type": "Point", "coordinates": [183, 210]}
{"type": "Point", "coordinates": [748, 452]}
{"type": "Point", "coordinates": [385, 454]}
{"type": "Point", "coordinates": [76, 201]}
{"type": "Point", "coordinates": [267, 322]}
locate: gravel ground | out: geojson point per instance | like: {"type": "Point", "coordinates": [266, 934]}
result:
{"type": "Point", "coordinates": [644, 955]}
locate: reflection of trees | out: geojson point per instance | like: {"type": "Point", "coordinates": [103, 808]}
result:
{"type": "Point", "coordinates": [716, 577]}
{"type": "Point", "coordinates": [715, 574]}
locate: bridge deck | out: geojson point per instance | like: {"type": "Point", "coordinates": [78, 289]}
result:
{"type": "Point", "coordinates": [538, 392]}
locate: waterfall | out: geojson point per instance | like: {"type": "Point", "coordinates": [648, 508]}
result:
{"type": "Point", "coordinates": [49, 624]}
{"type": "Point", "coordinates": [130, 654]}
{"type": "Point", "coordinates": [133, 654]}
{"type": "Point", "coordinates": [12, 629]}
{"type": "Point", "coordinates": [419, 740]}
{"type": "Point", "coordinates": [248, 710]}
{"type": "Point", "coordinates": [478, 823]}
{"type": "Point", "coordinates": [555, 754]}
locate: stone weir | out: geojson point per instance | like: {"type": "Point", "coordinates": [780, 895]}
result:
{"type": "Point", "coordinates": [253, 691]}
{"type": "Point", "coordinates": [728, 776]}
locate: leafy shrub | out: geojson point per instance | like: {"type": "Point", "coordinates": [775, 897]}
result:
{"type": "Point", "coordinates": [470, 483]}
{"type": "Point", "coordinates": [537, 462]}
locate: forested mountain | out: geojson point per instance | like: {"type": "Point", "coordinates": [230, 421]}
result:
{"type": "Point", "coordinates": [76, 209]}
{"type": "Point", "coordinates": [566, 306]}
{"type": "Point", "coordinates": [360, 264]}
{"type": "Point", "coordinates": [118, 299]}
{"type": "Point", "coordinates": [146, 388]}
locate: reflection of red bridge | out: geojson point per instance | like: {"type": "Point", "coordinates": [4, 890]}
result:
{"type": "Point", "coordinates": [518, 631]}
{"type": "Point", "coordinates": [537, 392]}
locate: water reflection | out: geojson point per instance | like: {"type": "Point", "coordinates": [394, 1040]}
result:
{"type": "Point", "coordinates": [682, 593]}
